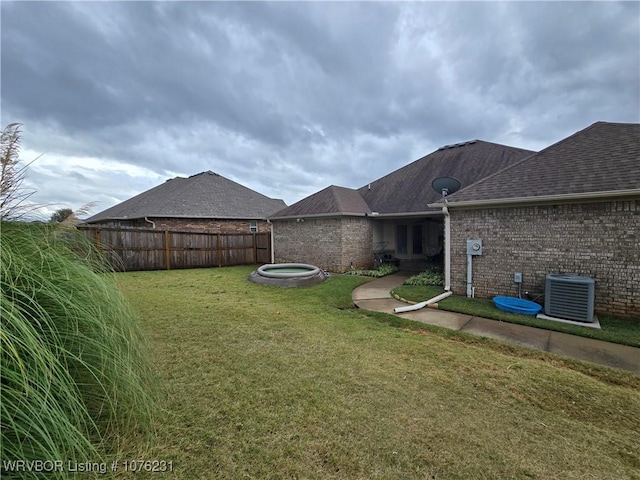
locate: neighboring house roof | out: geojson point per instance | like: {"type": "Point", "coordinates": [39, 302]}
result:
{"type": "Point", "coordinates": [603, 160]}
{"type": "Point", "coordinates": [408, 189]}
{"type": "Point", "coordinates": [332, 200]}
{"type": "Point", "coordinates": [204, 195]}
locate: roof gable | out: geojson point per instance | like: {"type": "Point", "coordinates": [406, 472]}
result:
{"type": "Point", "coordinates": [604, 157]}
{"type": "Point", "coordinates": [332, 200]}
{"type": "Point", "coordinates": [408, 189]}
{"type": "Point", "coordinates": [204, 195]}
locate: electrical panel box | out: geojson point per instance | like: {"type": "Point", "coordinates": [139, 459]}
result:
{"type": "Point", "coordinates": [517, 277]}
{"type": "Point", "coordinates": [474, 247]}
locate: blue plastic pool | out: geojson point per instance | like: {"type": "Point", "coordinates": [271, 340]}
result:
{"type": "Point", "coordinates": [517, 305]}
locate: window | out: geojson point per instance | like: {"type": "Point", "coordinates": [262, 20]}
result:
{"type": "Point", "coordinates": [417, 239]}
{"type": "Point", "coordinates": [253, 226]}
{"type": "Point", "coordinates": [401, 239]}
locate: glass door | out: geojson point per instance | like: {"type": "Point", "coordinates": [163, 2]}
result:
{"type": "Point", "coordinates": [417, 239]}
{"type": "Point", "coordinates": [401, 239]}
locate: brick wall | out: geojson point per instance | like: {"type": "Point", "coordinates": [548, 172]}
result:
{"type": "Point", "coordinates": [357, 243]}
{"type": "Point", "coordinates": [201, 224]}
{"type": "Point", "coordinates": [599, 240]}
{"type": "Point", "coordinates": [332, 244]}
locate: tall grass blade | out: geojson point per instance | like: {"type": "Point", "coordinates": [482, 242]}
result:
{"type": "Point", "coordinates": [75, 369]}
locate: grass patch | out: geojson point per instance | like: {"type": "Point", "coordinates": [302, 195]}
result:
{"type": "Point", "coordinates": [270, 383]}
{"type": "Point", "coordinates": [626, 332]}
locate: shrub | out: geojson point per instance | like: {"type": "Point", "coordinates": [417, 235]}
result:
{"type": "Point", "coordinates": [432, 276]}
{"type": "Point", "coordinates": [380, 271]}
{"type": "Point", "coordinates": [75, 371]}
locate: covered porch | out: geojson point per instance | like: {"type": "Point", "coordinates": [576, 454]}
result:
{"type": "Point", "coordinates": [414, 242]}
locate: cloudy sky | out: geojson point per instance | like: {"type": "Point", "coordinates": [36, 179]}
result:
{"type": "Point", "coordinates": [290, 97]}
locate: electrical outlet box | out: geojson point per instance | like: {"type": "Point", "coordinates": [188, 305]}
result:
{"type": "Point", "coordinates": [474, 247]}
{"type": "Point", "coordinates": [517, 277]}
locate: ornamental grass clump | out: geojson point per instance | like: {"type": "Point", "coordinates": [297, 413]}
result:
{"type": "Point", "coordinates": [76, 380]}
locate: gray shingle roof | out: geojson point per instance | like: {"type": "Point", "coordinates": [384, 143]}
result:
{"type": "Point", "coordinates": [332, 200]}
{"type": "Point", "coordinates": [408, 189]}
{"type": "Point", "coordinates": [604, 157]}
{"type": "Point", "coordinates": [205, 195]}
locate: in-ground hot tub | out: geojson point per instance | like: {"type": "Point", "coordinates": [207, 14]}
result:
{"type": "Point", "coordinates": [288, 275]}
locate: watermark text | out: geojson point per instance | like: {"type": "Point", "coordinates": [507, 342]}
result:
{"type": "Point", "coordinates": [46, 466]}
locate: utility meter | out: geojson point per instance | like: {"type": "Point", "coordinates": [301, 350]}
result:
{"type": "Point", "coordinates": [474, 247]}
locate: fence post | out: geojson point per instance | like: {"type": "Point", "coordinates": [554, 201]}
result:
{"type": "Point", "coordinates": [167, 255]}
{"type": "Point", "coordinates": [218, 250]}
{"type": "Point", "coordinates": [255, 248]}
{"type": "Point", "coordinates": [98, 244]}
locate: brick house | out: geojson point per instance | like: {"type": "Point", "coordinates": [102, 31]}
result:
{"type": "Point", "coordinates": [206, 201]}
{"type": "Point", "coordinates": [340, 228]}
{"type": "Point", "coordinates": [572, 208]}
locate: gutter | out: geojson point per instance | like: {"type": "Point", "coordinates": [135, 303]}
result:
{"type": "Point", "coordinates": [164, 215]}
{"type": "Point", "coordinates": [427, 213]}
{"type": "Point", "coordinates": [581, 197]}
{"type": "Point", "coordinates": [325, 215]}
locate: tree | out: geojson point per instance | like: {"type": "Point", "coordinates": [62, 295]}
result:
{"type": "Point", "coordinates": [61, 215]}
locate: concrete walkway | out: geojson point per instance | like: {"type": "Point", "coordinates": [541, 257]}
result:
{"type": "Point", "coordinates": [376, 296]}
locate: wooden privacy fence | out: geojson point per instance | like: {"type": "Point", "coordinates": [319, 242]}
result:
{"type": "Point", "coordinates": [147, 249]}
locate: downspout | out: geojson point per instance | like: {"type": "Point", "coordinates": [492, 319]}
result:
{"type": "Point", "coordinates": [447, 267]}
{"type": "Point", "coordinates": [420, 305]}
{"type": "Point", "coordinates": [469, 276]}
{"type": "Point", "coordinates": [273, 252]}
{"type": "Point", "coordinates": [153, 225]}
{"type": "Point", "coordinates": [447, 247]}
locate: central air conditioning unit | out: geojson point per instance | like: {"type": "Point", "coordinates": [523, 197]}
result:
{"type": "Point", "coordinates": [570, 297]}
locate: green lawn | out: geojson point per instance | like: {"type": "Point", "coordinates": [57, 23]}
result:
{"type": "Point", "coordinates": [616, 330]}
{"type": "Point", "coordinates": [265, 383]}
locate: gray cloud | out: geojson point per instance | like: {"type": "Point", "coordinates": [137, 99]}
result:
{"type": "Point", "coordinates": [288, 98]}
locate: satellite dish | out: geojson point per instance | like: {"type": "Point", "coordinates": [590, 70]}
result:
{"type": "Point", "coordinates": [446, 185]}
